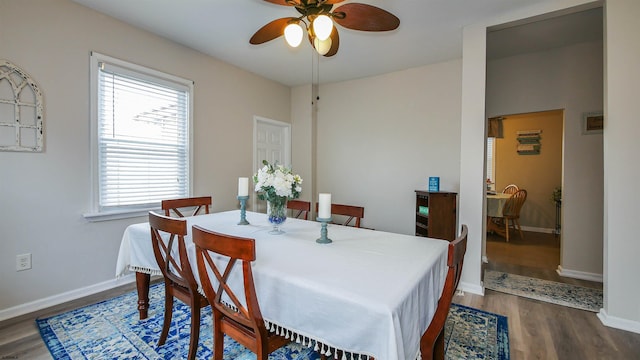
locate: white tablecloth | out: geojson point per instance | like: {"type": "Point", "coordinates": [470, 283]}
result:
{"type": "Point", "coordinates": [369, 292]}
{"type": "Point", "coordinates": [495, 203]}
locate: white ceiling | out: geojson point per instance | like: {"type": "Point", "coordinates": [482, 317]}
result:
{"type": "Point", "coordinates": [430, 31]}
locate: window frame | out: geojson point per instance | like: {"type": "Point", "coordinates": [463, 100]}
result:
{"type": "Point", "coordinates": [96, 213]}
{"type": "Point", "coordinates": [490, 167]}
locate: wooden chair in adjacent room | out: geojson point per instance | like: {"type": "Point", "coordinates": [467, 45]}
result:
{"type": "Point", "coordinates": [167, 236]}
{"type": "Point", "coordinates": [299, 208]}
{"type": "Point", "coordinates": [350, 212]}
{"type": "Point", "coordinates": [432, 341]}
{"type": "Point", "coordinates": [243, 323]}
{"type": "Point", "coordinates": [195, 205]}
{"type": "Point", "coordinates": [511, 211]}
{"type": "Point", "coordinates": [510, 189]}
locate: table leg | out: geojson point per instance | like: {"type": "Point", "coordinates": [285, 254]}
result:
{"type": "Point", "coordinates": [142, 284]}
{"type": "Point", "coordinates": [493, 228]}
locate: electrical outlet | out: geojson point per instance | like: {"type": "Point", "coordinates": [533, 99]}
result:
{"type": "Point", "coordinates": [23, 262]}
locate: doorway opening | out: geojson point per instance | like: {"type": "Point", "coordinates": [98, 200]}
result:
{"type": "Point", "coordinates": [525, 150]}
{"type": "Point", "coordinates": [528, 71]}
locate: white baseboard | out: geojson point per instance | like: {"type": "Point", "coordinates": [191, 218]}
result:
{"type": "Point", "coordinates": [538, 230]}
{"type": "Point", "coordinates": [472, 288]}
{"type": "Point", "coordinates": [579, 274]}
{"type": "Point", "coordinates": [64, 297]}
{"type": "Point", "coordinates": [618, 323]}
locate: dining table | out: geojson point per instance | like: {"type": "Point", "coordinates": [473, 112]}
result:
{"type": "Point", "coordinates": [495, 203]}
{"type": "Point", "coordinates": [368, 292]}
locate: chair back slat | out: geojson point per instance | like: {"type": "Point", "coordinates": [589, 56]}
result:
{"type": "Point", "coordinates": [195, 205]}
{"type": "Point", "coordinates": [167, 236]}
{"type": "Point", "coordinates": [510, 189]}
{"type": "Point", "coordinates": [512, 206]}
{"type": "Point", "coordinates": [350, 212]}
{"type": "Point", "coordinates": [217, 254]}
{"type": "Point", "coordinates": [300, 208]}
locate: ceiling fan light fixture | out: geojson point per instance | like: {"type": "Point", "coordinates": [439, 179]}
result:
{"type": "Point", "coordinates": [322, 46]}
{"type": "Point", "coordinates": [293, 34]}
{"type": "Point", "coordinates": [322, 26]}
{"type": "Point", "coordinates": [317, 18]}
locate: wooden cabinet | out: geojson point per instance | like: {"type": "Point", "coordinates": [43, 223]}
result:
{"type": "Point", "coordinates": [436, 214]}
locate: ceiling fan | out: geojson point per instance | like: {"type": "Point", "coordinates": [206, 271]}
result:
{"type": "Point", "coordinates": [317, 17]}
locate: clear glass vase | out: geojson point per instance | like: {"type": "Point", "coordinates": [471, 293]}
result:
{"type": "Point", "coordinates": [277, 214]}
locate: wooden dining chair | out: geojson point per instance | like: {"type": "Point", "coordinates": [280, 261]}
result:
{"type": "Point", "coordinates": [510, 189]}
{"type": "Point", "coordinates": [432, 341]}
{"type": "Point", "coordinates": [511, 211]}
{"type": "Point", "coordinates": [196, 205]}
{"type": "Point", "coordinates": [244, 323]}
{"type": "Point", "coordinates": [300, 208]}
{"type": "Point", "coordinates": [350, 212]}
{"type": "Point", "coordinates": [167, 235]}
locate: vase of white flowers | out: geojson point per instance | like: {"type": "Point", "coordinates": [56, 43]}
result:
{"type": "Point", "coordinates": [277, 184]}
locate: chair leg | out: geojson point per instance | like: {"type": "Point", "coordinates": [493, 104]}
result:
{"type": "Point", "coordinates": [218, 339]}
{"type": "Point", "coordinates": [262, 354]}
{"type": "Point", "coordinates": [506, 229]}
{"type": "Point", "coordinates": [517, 222]}
{"type": "Point", "coordinates": [168, 312]}
{"type": "Point", "coordinates": [438, 349]}
{"type": "Point", "coordinates": [195, 329]}
{"type": "Point", "coordinates": [435, 350]}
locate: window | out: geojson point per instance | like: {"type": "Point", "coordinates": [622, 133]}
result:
{"type": "Point", "coordinates": [140, 137]}
{"type": "Point", "coordinates": [491, 160]}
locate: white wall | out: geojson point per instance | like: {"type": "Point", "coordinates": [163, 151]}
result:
{"type": "Point", "coordinates": [302, 134]}
{"type": "Point", "coordinates": [380, 138]}
{"type": "Point", "coordinates": [569, 78]}
{"type": "Point", "coordinates": [44, 195]}
{"type": "Point", "coordinates": [473, 154]}
{"type": "Point", "coordinates": [621, 151]}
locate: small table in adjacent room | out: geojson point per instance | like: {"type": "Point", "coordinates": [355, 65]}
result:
{"type": "Point", "coordinates": [495, 203]}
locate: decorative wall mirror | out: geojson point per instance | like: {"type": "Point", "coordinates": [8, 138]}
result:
{"type": "Point", "coordinates": [21, 110]}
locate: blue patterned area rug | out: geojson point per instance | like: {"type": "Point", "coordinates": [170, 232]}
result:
{"type": "Point", "coordinates": [574, 296]}
{"type": "Point", "coordinates": [111, 330]}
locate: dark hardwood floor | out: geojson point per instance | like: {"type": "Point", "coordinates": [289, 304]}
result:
{"type": "Point", "coordinates": [20, 337]}
{"type": "Point", "coordinates": [539, 330]}
{"type": "Point", "coordinates": [537, 256]}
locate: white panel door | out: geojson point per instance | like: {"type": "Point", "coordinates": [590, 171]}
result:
{"type": "Point", "coordinates": [269, 144]}
{"type": "Point", "coordinates": [272, 142]}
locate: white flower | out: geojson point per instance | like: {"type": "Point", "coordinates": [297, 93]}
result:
{"type": "Point", "coordinates": [273, 182]}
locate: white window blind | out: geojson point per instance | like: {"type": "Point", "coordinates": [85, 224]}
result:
{"type": "Point", "coordinates": [491, 159]}
{"type": "Point", "coordinates": [142, 138]}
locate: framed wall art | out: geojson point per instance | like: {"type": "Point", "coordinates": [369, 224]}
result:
{"type": "Point", "coordinates": [21, 110]}
{"type": "Point", "coordinates": [592, 123]}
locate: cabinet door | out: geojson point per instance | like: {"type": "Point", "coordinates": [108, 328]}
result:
{"type": "Point", "coordinates": [442, 216]}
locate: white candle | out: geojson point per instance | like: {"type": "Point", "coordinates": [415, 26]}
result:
{"type": "Point", "coordinates": [324, 206]}
{"type": "Point", "coordinates": [243, 186]}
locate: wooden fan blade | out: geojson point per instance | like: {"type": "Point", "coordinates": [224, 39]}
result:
{"type": "Point", "coordinates": [271, 31]}
{"type": "Point", "coordinates": [284, 2]}
{"type": "Point", "coordinates": [333, 1]}
{"type": "Point", "coordinates": [366, 18]}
